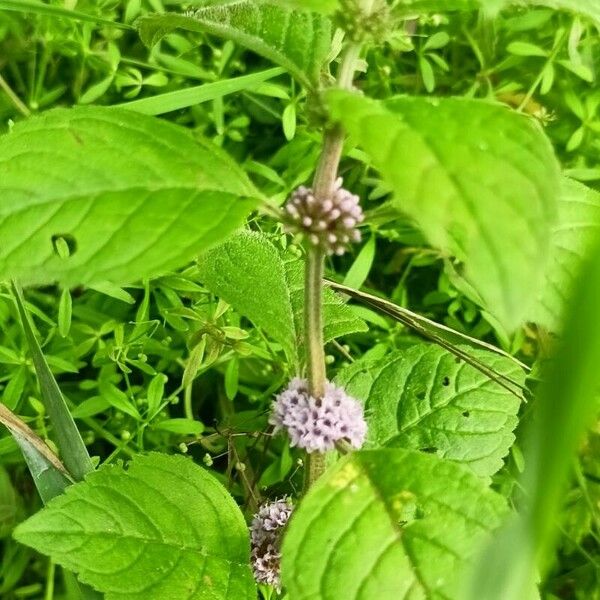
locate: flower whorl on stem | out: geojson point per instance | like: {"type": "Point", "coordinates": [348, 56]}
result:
{"type": "Point", "coordinates": [265, 535]}
{"type": "Point", "coordinates": [317, 424]}
{"type": "Point", "coordinates": [331, 223]}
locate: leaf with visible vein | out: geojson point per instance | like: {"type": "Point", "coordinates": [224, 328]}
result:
{"type": "Point", "coordinates": [424, 398]}
{"type": "Point", "coordinates": [297, 40]}
{"type": "Point", "coordinates": [388, 524]}
{"type": "Point", "coordinates": [133, 196]}
{"type": "Point", "coordinates": [479, 180]}
{"type": "Point", "coordinates": [573, 236]}
{"type": "Point", "coordinates": [163, 528]}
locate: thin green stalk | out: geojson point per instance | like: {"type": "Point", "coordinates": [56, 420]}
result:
{"type": "Point", "coordinates": [325, 176]}
{"type": "Point", "coordinates": [19, 104]}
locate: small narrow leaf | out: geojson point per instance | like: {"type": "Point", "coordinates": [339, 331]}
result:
{"type": "Point", "coordinates": [73, 450]}
{"type": "Point", "coordinates": [295, 39]}
{"type": "Point", "coordinates": [163, 528]}
{"type": "Point", "coordinates": [178, 99]}
{"type": "Point", "coordinates": [388, 524]}
{"type": "Point", "coordinates": [422, 398]}
{"type": "Point", "coordinates": [65, 308]}
{"type": "Point", "coordinates": [130, 195]}
{"type": "Point", "coordinates": [480, 181]}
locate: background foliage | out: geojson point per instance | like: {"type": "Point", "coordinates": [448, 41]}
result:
{"type": "Point", "coordinates": [169, 364]}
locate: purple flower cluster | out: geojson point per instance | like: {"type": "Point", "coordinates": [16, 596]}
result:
{"type": "Point", "coordinates": [316, 424]}
{"type": "Point", "coordinates": [265, 535]}
{"type": "Point", "coordinates": [329, 223]}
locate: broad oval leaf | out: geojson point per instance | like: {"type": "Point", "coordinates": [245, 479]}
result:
{"type": "Point", "coordinates": [424, 398]}
{"type": "Point", "coordinates": [129, 195]}
{"type": "Point", "coordinates": [387, 524]}
{"type": "Point", "coordinates": [297, 40]}
{"type": "Point", "coordinates": [573, 236]}
{"type": "Point", "coordinates": [163, 528]}
{"type": "Point", "coordinates": [479, 180]}
{"type": "Point", "coordinates": [248, 272]}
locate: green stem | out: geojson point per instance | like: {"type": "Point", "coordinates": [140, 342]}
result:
{"type": "Point", "coordinates": [325, 176]}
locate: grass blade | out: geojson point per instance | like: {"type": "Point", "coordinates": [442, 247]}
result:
{"type": "Point", "coordinates": [566, 406]}
{"type": "Point", "coordinates": [170, 101]}
{"type": "Point", "coordinates": [49, 475]}
{"type": "Point", "coordinates": [31, 6]}
{"type": "Point", "coordinates": [73, 450]}
{"type": "Point", "coordinates": [439, 334]}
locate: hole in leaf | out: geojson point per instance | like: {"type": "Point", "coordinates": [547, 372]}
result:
{"type": "Point", "coordinates": [429, 450]}
{"type": "Point", "coordinates": [421, 394]}
{"type": "Point", "coordinates": [457, 360]}
{"type": "Point", "coordinates": [466, 414]}
{"type": "Point", "coordinates": [446, 381]}
{"type": "Point", "coordinates": [64, 244]}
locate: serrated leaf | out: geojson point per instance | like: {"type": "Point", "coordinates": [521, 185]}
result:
{"type": "Point", "coordinates": [573, 237]}
{"type": "Point", "coordinates": [479, 180]}
{"type": "Point", "coordinates": [132, 195]}
{"type": "Point", "coordinates": [387, 524]}
{"type": "Point", "coordinates": [163, 528]}
{"type": "Point", "coordinates": [297, 40]}
{"type": "Point", "coordinates": [249, 273]}
{"type": "Point", "coordinates": [423, 398]}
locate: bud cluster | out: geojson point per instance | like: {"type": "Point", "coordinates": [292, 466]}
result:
{"type": "Point", "coordinates": [361, 25]}
{"type": "Point", "coordinates": [317, 424]}
{"type": "Point", "coordinates": [330, 223]}
{"type": "Point", "coordinates": [265, 535]}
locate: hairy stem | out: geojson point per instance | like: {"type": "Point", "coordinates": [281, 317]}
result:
{"type": "Point", "coordinates": [325, 176]}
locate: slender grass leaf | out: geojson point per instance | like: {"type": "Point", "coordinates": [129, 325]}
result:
{"type": "Point", "coordinates": [480, 181]}
{"type": "Point", "coordinates": [170, 101]}
{"type": "Point", "coordinates": [359, 271]}
{"type": "Point", "coordinates": [297, 40]}
{"type": "Point", "coordinates": [72, 449]}
{"type": "Point", "coordinates": [387, 524]}
{"type": "Point", "coordinates": [48, 473]}
{"type": "Point", "coordinates": [573, 237]}
{"type": "Point", "coordinates": [131, 195]}
{"type": "Point", "coordinates": [163, 528]}
{"type": "Point", "coordinates": [9, 504]}
{"type": "Point", "coordinates": [422, 398]}
{"type": "Point", "coordinates": [30, 6]}
{"type": "Point", "coordinates": [566, 406]}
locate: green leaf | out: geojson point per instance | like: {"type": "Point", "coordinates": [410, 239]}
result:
{"type": "Point", "coordinates": [163, 528]}
{"type": "Point", "coordinates": [387, 524]}
{"type": "Point", "coordinates": [131, 195]}
{"type": "Point", "coordinates": [423, 398]}
{"type": "Point", "coordinates": [567, 403]}
{"type": "Point", "coordinates": [323, 6]}
{"type": "Point", "coordinates": [180, 426]}
{"type": "Point", "coordinates": [573, 237]}
{"type": "Point", "coordinates": [249, 273]}
{"type": "Point", "coordinates": [359, 271]}
{"type": "Point", "coordinates": [72, 449]}
{"type": "Point", "coordinates": [479, 180]}
{"type": "Point", "coordinates": [178, 99]}
{"type": "Point", "coordinates": [297, 40]}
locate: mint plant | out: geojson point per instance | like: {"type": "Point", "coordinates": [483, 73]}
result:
{"type": "Point", "coordinates": [206, 301]}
